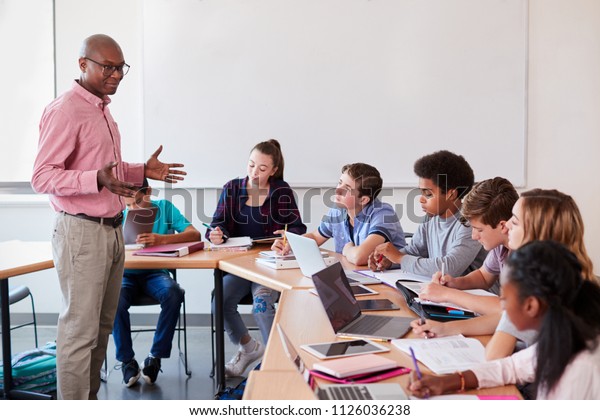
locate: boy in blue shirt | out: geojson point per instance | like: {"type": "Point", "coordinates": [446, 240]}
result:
{"type": "Point", "coordinates": [444, 179]}
{"type": "Point", "coordinates": [156, 283]}
{"type": "Point", "coordinates": [359, 222]}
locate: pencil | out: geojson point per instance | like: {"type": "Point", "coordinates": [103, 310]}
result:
{"type": "Point", "coordinates": [284, 236]}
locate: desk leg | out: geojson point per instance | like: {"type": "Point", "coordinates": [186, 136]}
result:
{"type": "Point", "coordinates": [6, 350]}
{"type": "Point", "coordinates": [219, 331]}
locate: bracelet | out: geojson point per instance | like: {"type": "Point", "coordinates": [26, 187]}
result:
{"type": "Point", "coordinates": [462, 381]}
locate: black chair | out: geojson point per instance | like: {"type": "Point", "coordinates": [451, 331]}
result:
{"type": "Point", "coordinates": [146, 300]}
{"type": "Point", "coordinates": [17, 294]}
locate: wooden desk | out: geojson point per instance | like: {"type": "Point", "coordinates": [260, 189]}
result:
{"type": "Point", "coordinates": [246, 267]}
{"type": "Point", "coordinates": [18, 258]}
{"type": "Point", "coordinates": [302, 316]}
{"type": "Point", "coordinates": [276, 385]}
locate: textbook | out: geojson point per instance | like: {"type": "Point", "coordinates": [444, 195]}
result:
{"type": "Point", "coordinates": [287, 263]}
{"type": "Point", "coordinates": [236, 242]}
{"type": "Point", "coordinates": [171, 250]}
{"type": "Point", "coordinates": [445, 354]}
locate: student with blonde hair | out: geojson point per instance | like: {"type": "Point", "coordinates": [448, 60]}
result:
{"type": "Point", "coordinates": [542, 289]}
{"type": "Point", "coordinates": [538, 214]}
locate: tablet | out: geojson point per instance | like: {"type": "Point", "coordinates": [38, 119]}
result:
{"type": "Point", "coordinates": [360, 290]}
{"type": "Point", "coordinates": [377, 305]}
{"type": "Point", "coordinates": [138, 221]}
{"type": "Point", "coordinates": [343, 348]}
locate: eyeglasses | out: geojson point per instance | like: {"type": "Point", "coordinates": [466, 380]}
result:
{"type": "Point", "coordinates": [109, 70]}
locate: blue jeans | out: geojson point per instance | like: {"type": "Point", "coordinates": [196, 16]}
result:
{"type": "Point", "coordinates": [263, 307]}
{"type": "Point", "coordinates": [164, 289]}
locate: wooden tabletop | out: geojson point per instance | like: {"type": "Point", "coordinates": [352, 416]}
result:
{"type": "Point", "coordinates": [22, 257]}
{"type": "Point", "coordinates": [200, 259]}
{"type": "Point", "coordinates": [304, 320]}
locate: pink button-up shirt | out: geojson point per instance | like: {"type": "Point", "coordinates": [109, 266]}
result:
{"type": "Point", "coordinates": [78, 136]}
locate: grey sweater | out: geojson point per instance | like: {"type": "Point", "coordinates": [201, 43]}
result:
{"type": "Point", "coordinates": [437, 240]}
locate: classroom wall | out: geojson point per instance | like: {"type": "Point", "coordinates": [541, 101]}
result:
{"type": "Point", "coordinates": [563, 131]}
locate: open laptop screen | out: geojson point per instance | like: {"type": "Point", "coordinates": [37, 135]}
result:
{"type": "Point", "coordinates": [335, 293]}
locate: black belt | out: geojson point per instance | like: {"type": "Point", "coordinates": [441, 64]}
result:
{"type": "Point", "coordinates": [108, 221]}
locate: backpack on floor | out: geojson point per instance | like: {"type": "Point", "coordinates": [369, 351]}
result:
{"type": "Point", "coordinates": [234, 392]}
{"type": "Point", "coordinates": [34, 370]}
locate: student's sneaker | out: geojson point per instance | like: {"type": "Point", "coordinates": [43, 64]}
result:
{"type": "Point", "coordinates": [151, 369]}
{"type": "Point", "coordinates": [131, 372]}
{"type": "Point", "coordinates": [238, 364]}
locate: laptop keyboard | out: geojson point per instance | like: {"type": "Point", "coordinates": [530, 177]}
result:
{"type": "Point", "coordinates": [349, 392]}
{"type": "Point", "coordinates": [369, 324]}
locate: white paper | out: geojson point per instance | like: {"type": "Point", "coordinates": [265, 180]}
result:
{"type": "Point", "coordinates": [445, 354]}
{"type": "Point", "coordinates": [240, 241]}
{"type": "Point", "coordinates": [391, 276]}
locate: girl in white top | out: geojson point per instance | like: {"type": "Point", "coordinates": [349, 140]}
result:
{"type": "Point", "coordinates": [542, 289]}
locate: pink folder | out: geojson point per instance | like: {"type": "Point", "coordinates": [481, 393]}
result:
{"type": "Point", "coordinates": [171, 250]}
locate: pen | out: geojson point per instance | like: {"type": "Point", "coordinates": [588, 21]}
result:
{"type": "Point", "coordinates": [414, 359]}
{"type": "Point", "coordinates": [422, 322]}
{"type": "Point", "coordinates": [209, 227]}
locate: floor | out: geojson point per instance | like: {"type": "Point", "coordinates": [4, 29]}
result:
{"type": "Point", "coordinates": [172, 382]}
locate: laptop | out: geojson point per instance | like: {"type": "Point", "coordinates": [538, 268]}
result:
{"type": "Point", "coordinates": [138, 221]}
{"type": "Point", "coordinates": [341, 391]}
{"type": "Point", "coordinates": [310, 259]}
{"type": "Point", "coordinates": [308, 255]}
{"type": "Point", "coordinates": [344, 311]}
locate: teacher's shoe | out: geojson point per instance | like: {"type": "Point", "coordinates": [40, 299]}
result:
{"type": "Point", "coordinates": [238, 364]}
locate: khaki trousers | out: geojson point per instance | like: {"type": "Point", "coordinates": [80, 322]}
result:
{"type": "Point", "coordinates": [89, 259]}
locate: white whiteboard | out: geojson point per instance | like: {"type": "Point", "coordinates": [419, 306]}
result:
{"type": "Point", "coordinates": [336, 81]}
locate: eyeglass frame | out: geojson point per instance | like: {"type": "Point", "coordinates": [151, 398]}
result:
{"type": "Point", "coordinates": [108, 70]}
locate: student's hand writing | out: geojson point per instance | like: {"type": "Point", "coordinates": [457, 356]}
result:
{"type": "Point", "coordinates": [155, 169]}
{"type": "Point", "coordinates": [427, 386]}
{"type": "Point", "coordinates": [216, 236]}
{"type": "Point", "coordinates": [389, 251]}
{"type": "Point", "coordinates": [378, 262]}
{"type": "Point", "coordinates": [280, 246]}
{"type": "Point", "coordinates": [446, 280]}
{"type": "Point", "coordinates": [105, 178]}
{"type": "Point", "coordinates": [436, 293]}
{"type": "Point", "coordinates": [430, 329]}
{"type": "Point", "coordinates": [149, 239]}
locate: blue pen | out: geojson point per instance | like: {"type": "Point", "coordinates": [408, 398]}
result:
{"type": "Point", "coordinates": [414, 359]}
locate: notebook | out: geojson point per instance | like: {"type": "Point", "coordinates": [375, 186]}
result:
{"type": "Point", "coordinates": [307, 254]}
{"type": "Point", "coordinates": [344, 311]}
{"type": "Point", "coordinates": [171, 250]}
{"type": "Point", "coordinates": [341, 392]}
{"type": "Point", "coordinates": [138, 221]}
{"type": "Point", "coordinates": [432, 311]}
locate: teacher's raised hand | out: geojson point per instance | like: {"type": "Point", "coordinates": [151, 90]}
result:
{"type": "Point", "coordinates": [155, 169]}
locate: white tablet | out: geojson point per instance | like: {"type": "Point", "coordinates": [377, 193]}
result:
{"type": "Point", "coordinates": [343, 348]}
